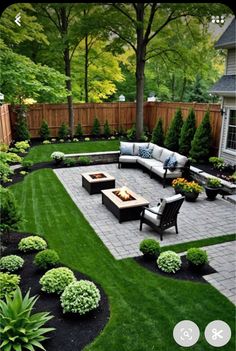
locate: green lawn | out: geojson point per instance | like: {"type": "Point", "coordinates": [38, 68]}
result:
{"type": "Point", "coordinates": [144, 307]}
{"type": "Point", "coordinates": [42, 153]}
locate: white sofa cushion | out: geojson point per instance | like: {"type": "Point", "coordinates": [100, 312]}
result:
{"type": "Point", "coordinates": [128, 159]}
{"type": "Point", "coordinates": [181, 160]}
{"type": "Point", "coordinates": [160, 172]}
{"type": "Point", "coordinates": [148, 162]}
{"type": "Point", "coordinates": [152, 217]}
{"type": "Point", "coordinates": [126, 148]}
{"type": "Point", "coordinates": [157, 151]}
{"type": "Point", "coordinates": [136, 147]}
{"type": "Point", "coordinates": [165, 153]}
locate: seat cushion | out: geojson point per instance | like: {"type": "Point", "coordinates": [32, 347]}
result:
{"type": "Point", "coordinates": [126, 148]}
{"type": "Point", "coordinates": [128, 159]}
{"type": "Point", "coordinates": [137, 145]}
{"type": "Point", "coordinates": [152, 217]}
{"type": "Point", "coordinates": [157, 151]}
{"type": "Point", "coordinates": [165, 153]}
{"type": "Point", "coordinates": [147, 162]}
{"type": "Point", "coordinates": [181, 160]}
{"type": "Point", "coordinates": [170, 174]}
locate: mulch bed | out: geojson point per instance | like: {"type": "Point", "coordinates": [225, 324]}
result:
{"type": "Point", "coordinates": [207, 167]}
{"type": "Point", "coordinates": [185, 272]}
{"type": "Point", "coordinates": [73, 332]}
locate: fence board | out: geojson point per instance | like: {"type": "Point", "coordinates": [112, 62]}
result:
{"type": "Point", "coordinates": [5, 125]}
{"type": "Point", "coordinates": [119, 114]}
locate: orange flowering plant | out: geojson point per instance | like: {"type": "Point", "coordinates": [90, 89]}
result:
{"type": "Point", "coordinates": [179, 183]}
{"type": "Point", "coordinates": [192, 187]}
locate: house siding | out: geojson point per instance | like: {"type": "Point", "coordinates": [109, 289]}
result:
{"type": "Point", "coordinates": [231, 62]}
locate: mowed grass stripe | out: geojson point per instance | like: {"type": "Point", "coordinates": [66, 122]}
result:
{"type": "Point", "coordinates": [144, 306]}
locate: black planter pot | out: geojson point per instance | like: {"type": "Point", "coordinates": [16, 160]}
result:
{"type": "Point", "coordinates": [211, 193]}
{"type": "Point", "coordinates": [190, 196]}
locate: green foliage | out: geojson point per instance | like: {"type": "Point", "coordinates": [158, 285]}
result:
{"type": "Point", "coordinates": [44, 130]}
{"type": "Point", "coordinates": [22, 145]}
{"type": "Point", "coordinates": [3, 147]}
{"type": "Point", "coordinates": [10, 157]}
{"type": "Point", "coordinates": [10, 214]}
{"type": "Point", "coordinates": [79, 131]}
{"type": "Point", "coordinates": [213, 182]}
{"type": "Point", "coordinates": [70, 162]}
{"type": "Point", "coordinates": [169, 262]}
{"type": "Point", "coordinates": [8, 284]}
{"type": "Point", "coordinates": [173, 133]}
{"type": "Point", "coordinates": [27, 164]}
{"type": "Point", "coordinates": [158, 134]}
{"type": "Point", "coordinates": [21, 128]}
{"type": "Point", "coordinates": [46, 259]}
{"type": "Point", "coordinates": [217, 162]}
{"type": "Point", "coordinates": [131, 133]}
{"type": "Point", "coordinates": [20, 328]}
{"type": "Point", "coordinates": [200, 146]}
{"type": "Point", "coordinates": [107, 129]}
{"type": "Point", "coordinates": [63, 131]}
{"type": "Point", "coordinates": [84, 160]}
{"type": "Point", "coordinates": [80, 297]}
{"type": "Point", "coordinates": [11, 263]}
{"type": "Point", "coordinates": [5, 172]}
{"type": "Point", "coordinates": [32, 243]}
{"type": "Point", "coordinates": [150, 248]}
{"type": "Point", "coordinates": [58, 156]}
{"type": "Point", "coordinates": [187, 133]}
{"type": "Point", "coordinates": [96, 130]}
{"type": "Point", "coordinates": [197, 256]}
{"type": "Point", "coordinates": [56, 280]}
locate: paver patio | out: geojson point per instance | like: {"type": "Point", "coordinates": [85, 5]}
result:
{"type": "Point", "coordinates": [197, 220]}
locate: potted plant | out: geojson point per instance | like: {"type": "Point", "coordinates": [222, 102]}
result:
{"type": "Point", "coordinates": [191, 190]}
{"type": "Point", "coordinates": [178, 185]}
{"type": "Point", "coordinates": [212, 188]}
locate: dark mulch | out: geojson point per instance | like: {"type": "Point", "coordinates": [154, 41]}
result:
{"type": "Point", "coordinates": [73, 332]}
{"type": "Point", "coordinates": [207, 167]}
{"type": "Point", "coordinates": [185, 272]}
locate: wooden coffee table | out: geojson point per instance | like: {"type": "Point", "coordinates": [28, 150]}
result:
{"type": "Point", "coordinates": [124, 210]}
{"type": "Point", "coordinates": [94, 182]}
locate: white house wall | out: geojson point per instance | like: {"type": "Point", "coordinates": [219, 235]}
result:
{"type": "Point", "coordinates": [231, 62]}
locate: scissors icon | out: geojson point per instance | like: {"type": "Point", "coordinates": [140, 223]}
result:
{"type": "Point", "coordinates": [217, 334]}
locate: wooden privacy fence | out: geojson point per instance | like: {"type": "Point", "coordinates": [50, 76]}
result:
{"type": "Point", "coordinates": [5, 125]}
{"type": "Point", "coordinates": [118, 114]}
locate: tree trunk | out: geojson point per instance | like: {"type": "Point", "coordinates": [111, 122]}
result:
{"type": "Point", "coordinates": [173, 87]}
{"type": "Point", "coordinates": [140, 67]}
{"type": "Point", "coordinates": [86, 69]}
{"type": "Point", "coordinates": [183, 89]}
{"type": "Point", "coordinates": [64, 26]}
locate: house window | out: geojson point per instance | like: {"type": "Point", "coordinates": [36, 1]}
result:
{"type": "Point", "coordinates": [231, 136]}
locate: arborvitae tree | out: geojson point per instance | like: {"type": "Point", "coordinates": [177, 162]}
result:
{"type": "Point", "coordinates": [63, 131]}
{"type": "Point", "coordinates": [44, 131]}
{"type": "Point", "coordinates": [187, 133]}
{"type": "Point", "coordinates": [200, 146]}
{"type": "Point", "coordinates": [21, 127]}
{"type": "Point", "coordinates": [107, 129]}
{"type": "Point", "coordinates": [157, 133]}
{"type": "Point", "coordinates": [173, 132]}
{"type": "Point", "coordinates": [79, 131]}
{"type": "Point", "coordinates": [96, 127]}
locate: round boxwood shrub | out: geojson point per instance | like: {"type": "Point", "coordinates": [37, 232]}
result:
{"type": "Point", "coordinates": [150, 248]}
{"type": "Point", "coordinates": [169, 262]}
{"type": "Point", "coordinates": [197, 257]}
{"type": "Point", "coordinates": [11, 263]}
{"type": "Point", "coordinates": [46, 259]}
{"type": "Point", "coordinates": [32, 243]}
{"type": "Point", "coordinates": [80, 297]}
{"type": "Point", "coordinates": [56, 280]}
{"type": "Point", "coordinates": [8, 284]}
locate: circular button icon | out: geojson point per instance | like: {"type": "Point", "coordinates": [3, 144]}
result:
{"type": "Point", "coordinates": [217, 333]}
{"type": "Point", "coordinates": [186, 333]}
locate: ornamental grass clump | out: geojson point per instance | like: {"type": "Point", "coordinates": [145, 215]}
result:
{"type": "Point", "coordinates": [169, 262]}
{"type": "Point", "coordinates": [20, 329]}
{"type": "Point", "coordinates": [8, 283]}
{"type": "Point", "coordinates": [11, 263]}
{"type": "Point", "coordinates": [46, 259]}
{"type": "Point", "coordinates": [150, 248]}
{"type": "Point", "coordinates": [32, 243]}
{"type": "Point", "coordinates": [56, 280]}
{"type": "Point", "coordinates": [80, 297]}
{"type": "Point", "coordinates": [197, 257]}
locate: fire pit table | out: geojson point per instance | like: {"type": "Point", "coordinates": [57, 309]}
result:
{"type": "Point", "coordinates": [123, 203]}
{"type": "Point", "coordinates": [94, 182]}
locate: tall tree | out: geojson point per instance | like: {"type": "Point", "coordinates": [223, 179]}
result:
{"type": "Point", "coordinates": [137, 24]}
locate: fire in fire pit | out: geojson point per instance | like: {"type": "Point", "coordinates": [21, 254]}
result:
{"type": "Point", "coordinates": [97, 176]}
{"type": "Point", "coordinates": [123, 194]}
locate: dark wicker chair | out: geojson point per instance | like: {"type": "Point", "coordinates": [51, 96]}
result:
{"type": "Point", "coordinates": [163, 216]}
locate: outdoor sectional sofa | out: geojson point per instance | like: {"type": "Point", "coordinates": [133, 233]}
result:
{"type": "Point", "coordinates": [130, 154]}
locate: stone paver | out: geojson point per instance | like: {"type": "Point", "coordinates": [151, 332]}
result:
{"type": "Point", "coordinates": [222, 258]}
{"type": "Point", "coordinates": [197, 220]}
